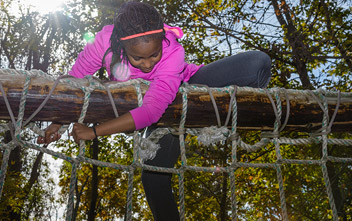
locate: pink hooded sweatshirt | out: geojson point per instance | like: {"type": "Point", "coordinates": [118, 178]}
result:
{"type": "Point", "coordinates": [165, 78]}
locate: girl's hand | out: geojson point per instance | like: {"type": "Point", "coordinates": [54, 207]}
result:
{"type": "Point", "coordinates": [51, 134]}
{"type": "Point", "coordinates": [82, 132]}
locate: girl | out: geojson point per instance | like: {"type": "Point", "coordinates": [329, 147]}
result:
{"type": "Point", "coordinates": [140, 45]}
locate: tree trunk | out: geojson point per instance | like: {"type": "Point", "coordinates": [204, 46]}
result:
{"type": "Point", "coordinates": [254, 108]}
{"type": "Point", "coordinates": [223, 202]}
{"type": "Point", "coordinates": [334, 177]}
{"type": "Point", "coordinates": [95, 181]}
{"type": "Point", "coordinates": [32, 180]}
{"type": "Point", "coordinates": [14, 168]}
{"type": "Point", "coordinates": [299, 49]}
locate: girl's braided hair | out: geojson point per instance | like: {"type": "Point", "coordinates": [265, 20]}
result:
{"type": "Point", "coordinates": [132, 18]}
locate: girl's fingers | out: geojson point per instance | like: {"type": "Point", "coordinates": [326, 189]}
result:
{"type": "Point", "coordinates": [48, 138]}
{"type": "Point", "coordinates": [40, 140]}
{"type": "Point", "coordinates": [74, 134]}
{"type": "Point", "coordinates": [54, 137]}
{"type": "Point", "coordinates": [75, 139]}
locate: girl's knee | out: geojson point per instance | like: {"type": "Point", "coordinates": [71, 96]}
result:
{"type": "Point", "coordinates": [263, 59]}
{"type": "Point", "coordinates": [264, 65]}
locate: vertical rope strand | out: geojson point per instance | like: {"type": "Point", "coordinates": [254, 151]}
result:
{"type": "Point", "coordinates": [129, 200]}
{"type": "Point", "coordinates": [4, 164]}
{"type": "Point", "coordinates": [234, 156]}
{"type": "Point", "coordinates": [278, 156]}
{"type": "Point", "coordinates": [183, 154]}
{"type": "Point", "coordinates": [325, 157]}
{"type": "Point", "coordinates": [131, 168]}
{"type": "Point", "coordinates": [18, 127]}
{"type": "Point", "coordinates": [75, 164]}
{"type": "Point", "coordinates": [7, 150]}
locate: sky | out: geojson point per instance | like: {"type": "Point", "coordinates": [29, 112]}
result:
{"type": "Point", "coordinates": [44, 6]}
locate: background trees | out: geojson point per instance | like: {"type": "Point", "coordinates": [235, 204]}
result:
{"type": "Point", "coordinates": [310, 46]}
{"type": "Point", "coordinates": [309, 41]}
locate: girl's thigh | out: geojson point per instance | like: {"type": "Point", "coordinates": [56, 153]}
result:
{"type": "Point", "coordinates": [250, 69]}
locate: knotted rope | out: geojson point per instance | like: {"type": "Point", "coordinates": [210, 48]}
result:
{"type": "Point", "coordinates": [146, 148]}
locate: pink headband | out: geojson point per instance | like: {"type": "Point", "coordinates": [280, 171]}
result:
{"type": "Point", "coordinates": [142, 34]}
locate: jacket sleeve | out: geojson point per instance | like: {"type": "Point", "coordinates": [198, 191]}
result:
{"type": "Point", "coordinates": [90, 59]}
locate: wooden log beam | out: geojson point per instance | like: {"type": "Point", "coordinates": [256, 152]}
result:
{"type": "Point", "coordinates": [255, 110]}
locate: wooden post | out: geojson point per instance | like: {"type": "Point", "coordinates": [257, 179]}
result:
{"type": "Point", "coordinates": [255, 110]}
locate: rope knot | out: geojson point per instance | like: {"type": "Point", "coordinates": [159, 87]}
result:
{"type": "Point", "coordinates": [78, 159]}
{"type": "Point", "coordinates": [147, 149]}
{"type": "Point", "coordinates": [234, 136]}
{"type": "Point", "coordinates": [324, 159]}
{"type": "Point", "coordinates": [10, 146]}
{"type": "Point", "coordinates": [279, 161]}
{"type": "Point", "coordinates": [178, 131]}
{"type": "Point", "coordinates": [133, 166]}
{"type": "Point", "coordinates": [213, 134]}
{"type": "Point", "coordinates": [92, 85]}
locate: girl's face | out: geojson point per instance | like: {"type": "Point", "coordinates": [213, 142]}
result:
{"type": "Point", "coordinates": [144, 55]}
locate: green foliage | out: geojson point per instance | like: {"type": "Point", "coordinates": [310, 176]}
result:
{"type": "Point", "coordinates": [112, 182]}
{"type": "Point", "coordinates": [310, 46]}
{"type": "Point", "coordinates": [309, 41]}
{"type": "Point", "coordinates": [257, 189]}
{"type": "Point", "coordinates": [20, 198]}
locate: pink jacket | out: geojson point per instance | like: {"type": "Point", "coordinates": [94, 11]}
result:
{"type": "Point", "coordinates": [165, 78]}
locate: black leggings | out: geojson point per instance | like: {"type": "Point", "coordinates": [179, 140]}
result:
{"type": "Point", "coordinates": [251, 69]}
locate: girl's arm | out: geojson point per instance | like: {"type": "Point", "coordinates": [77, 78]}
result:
{"type": "Point", "coordinates": [121, 124]}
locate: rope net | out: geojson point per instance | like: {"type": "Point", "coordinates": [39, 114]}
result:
{"type": "Point", "coordinates": [145, 148]}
